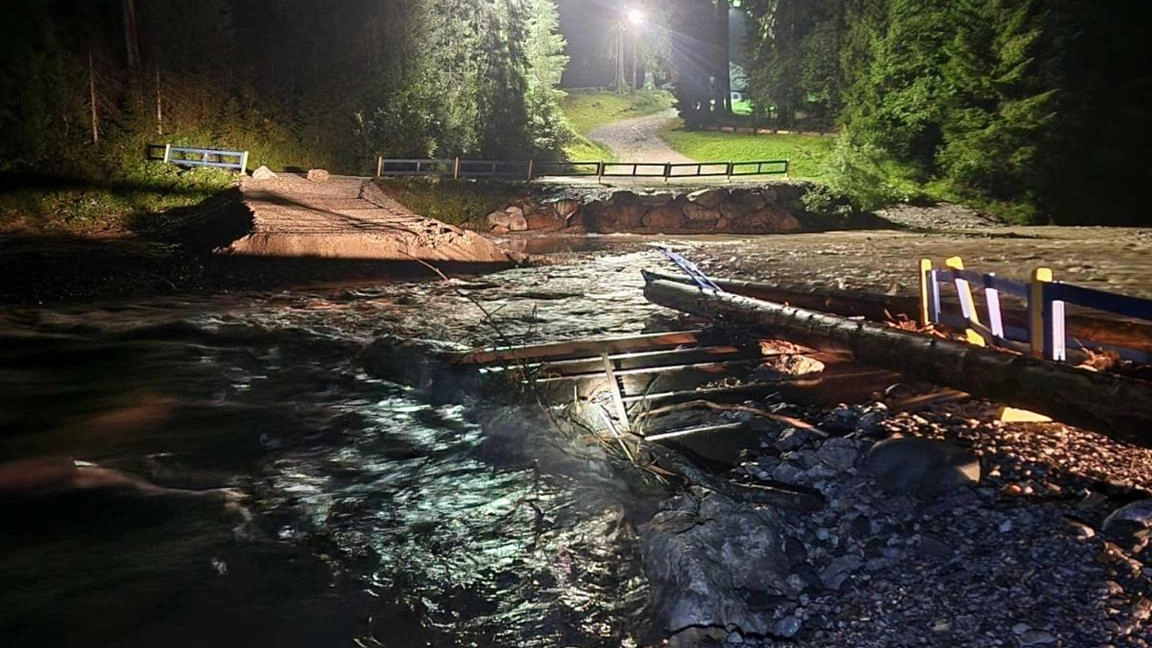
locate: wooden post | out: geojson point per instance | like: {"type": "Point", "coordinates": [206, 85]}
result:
{"type": "Point", "coordinates": [967, 303]}
{"type": "Point", "coordinates": [379, 166]}
{"type": "Point", "coordinates": [244, 163]}
{"type": "Point", "coordinates": [1037, 331]}
{"type": "Point", "coordinates": [992, 301]}
{"type": "Point", "coordinates": [531, 169]}
{"type": "Point", "coordinates": [600, 172]}
{"type": "Point", "coordinates": [617, 397]}
{"type": "Point", "coordinates": [167, 153]}
{"type": "Point", "coordinates": [667, 171]}
{"type": "Point", "coordinates": [925, 294]}
{"type": "Point", "coordinates": [456, 169]}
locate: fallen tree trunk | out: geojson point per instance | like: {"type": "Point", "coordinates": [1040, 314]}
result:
{"type": "Point", "coordinates": [1111, 331]}
{"type": "Point", "coordinates": [1111, 404]}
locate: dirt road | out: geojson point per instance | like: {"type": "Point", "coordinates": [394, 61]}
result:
{"type": "Point", "coordinates": [638, 140]}
{"type": "Point", "coordinates": [349, 218]}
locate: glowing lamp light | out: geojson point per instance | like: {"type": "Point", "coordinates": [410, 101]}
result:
{"type": "Point", "coordinates": [635, 16]}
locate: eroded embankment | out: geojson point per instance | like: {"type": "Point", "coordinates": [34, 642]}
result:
{"type": "Point", "coordinates": [772, 208]}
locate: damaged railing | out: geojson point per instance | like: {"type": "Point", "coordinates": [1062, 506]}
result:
{"type": "Point", "coordinates": [1046, 301]}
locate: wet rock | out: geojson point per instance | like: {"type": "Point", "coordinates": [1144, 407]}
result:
{"type": "Point", "coordinates": [699, 573]}
{"type": "Point", "coordinates": [319, 175]}
{"type": "Point", "coordinates": [788, 473]}
{"type": "Point", "coordinates": [919, 465]}
{"type": "Point", "coordinates": [1130, 525]}
{"type": "Point", "coordinates": [1037, 638]}
{"type": "Point", "coordinates": [792, 439]}
{"type": "Point", "coordinates": [838, 453]}
{"type": "Point", "coordinates": [787, 627]}
{"type": "Point", "coordinates": [263, 173]}
{"type": "Point", "coordinates": [841, 419]}
{"type": "Point", "coordinates": [839, 570]}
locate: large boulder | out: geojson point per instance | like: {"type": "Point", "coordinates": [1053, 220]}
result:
{"type": "Point", "coordinates": [319, 175]}
{"type": "Point", "coordinates": [543, 219]}
{"type": "Point", "coordinates": [263, 173]}
{"type": "Point", "coordinates": [667, 218]}
{"type": "Point", "coordinates": [1130, 525]}
{"type": "Point", "coordinates": [614, 216]}
{"type": "Point", "coordinates": [710, 559]}
{"type": "Point", "coordinates": [511, 218]}
{"type": "Point", "coordinates": [915, 465]}
{"type": "Point", "coordinates": [565, 208]}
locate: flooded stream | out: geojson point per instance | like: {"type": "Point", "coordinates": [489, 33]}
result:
{"type": "Point", "coordinates": [355, 512]}
{"type": "Point", "coordinates": [343, 508]}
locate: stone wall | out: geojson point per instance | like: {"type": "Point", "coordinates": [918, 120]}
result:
{"type": "Point", "coordinates": [758, 210]}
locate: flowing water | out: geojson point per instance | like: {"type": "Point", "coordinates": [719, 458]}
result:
{"type": "Point", "coordinates": [356, 512]}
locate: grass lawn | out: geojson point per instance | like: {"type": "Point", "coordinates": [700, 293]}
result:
{"type": "Point", "coordinates": [588, 109]}
{"type": "Point", "coordinates": [805, 153]}
{"type": "Point", "coordinates": [79, 206]}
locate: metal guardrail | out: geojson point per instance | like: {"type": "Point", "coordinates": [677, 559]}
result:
{"type": "Point", "coordinates": [201, 157]}
{"type": "Point", "coordinates": [1045, 298]}
{"type": "Point", "coordinates": [458, 168]}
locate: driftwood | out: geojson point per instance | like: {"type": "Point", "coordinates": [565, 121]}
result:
{"type": "Point", "coordinates": [1128, 334]}
{"type": "Point", "coordinates": [782, 495]}
{"type": "Point", "coordinates": [1120, 407]}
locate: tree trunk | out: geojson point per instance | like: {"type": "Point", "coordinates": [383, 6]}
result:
{"type": "Point", "coordinates": [1110, 404]}
{"type": "Point", "coordinates": [1084, 327]}
{"type": "Point", "coordinates": [723, 85]}
{"type": "Point", "coordinates": [131, 35]}
{"type": "Point", "coordinates": [159, 104]}
{"type": "Point", "coordinates": [92, 98]}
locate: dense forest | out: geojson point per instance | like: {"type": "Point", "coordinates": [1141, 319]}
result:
{"type": "Point", "coordinates": [1033, 109]}
{"type": "Point", "coordinates": [295, 82]}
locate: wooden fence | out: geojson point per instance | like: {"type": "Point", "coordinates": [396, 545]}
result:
{"type": "Point", "coordinates": [201, 157]}
{"type": "Point", "coordinates": [1044, 297]}
{"type": "Point", "coordinates": [457, 168]}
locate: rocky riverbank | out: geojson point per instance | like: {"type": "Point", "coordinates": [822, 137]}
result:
{"type": "Point", "coordinates": [942, 527]}
{"type": "Point", "coordinates": [772, 208]}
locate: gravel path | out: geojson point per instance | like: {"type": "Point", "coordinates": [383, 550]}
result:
{"type": "Point", "coordinates": [638, 140]}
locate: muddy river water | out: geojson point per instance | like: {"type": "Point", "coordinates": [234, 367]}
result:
{"type": "Point", "coordinates": [356, 512]}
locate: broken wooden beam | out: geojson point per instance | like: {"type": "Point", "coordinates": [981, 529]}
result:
{"type": "Point", "coordinates": [1112, 404]}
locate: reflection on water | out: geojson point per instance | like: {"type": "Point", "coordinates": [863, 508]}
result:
{"type": "Point", "coordinates": [368, 517]}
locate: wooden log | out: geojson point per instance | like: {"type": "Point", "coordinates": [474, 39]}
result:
{"type": "Point", "coordinates": [1110, 331]}
{"type": "Point", "coordinates": [1118, 406]}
